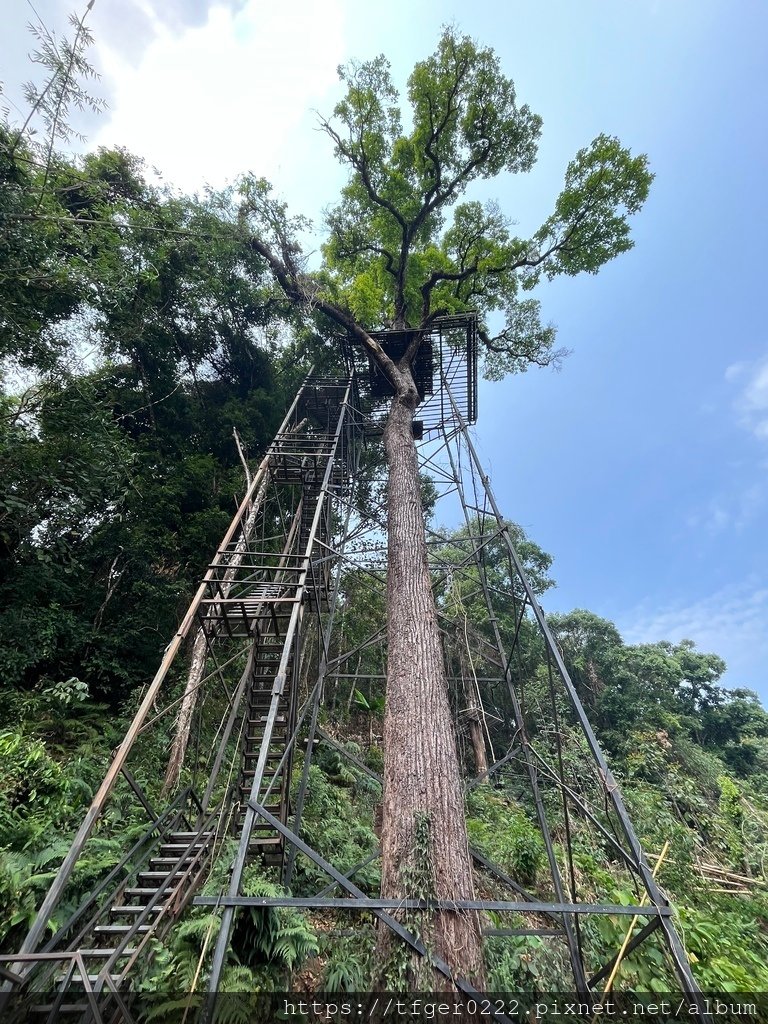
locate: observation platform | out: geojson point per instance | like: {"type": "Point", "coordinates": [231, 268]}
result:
{"type": "Point", "coordinates": [447, 355]}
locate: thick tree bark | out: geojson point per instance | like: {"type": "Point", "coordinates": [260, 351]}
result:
{"type": "Point", "coordinates": [424, 837]}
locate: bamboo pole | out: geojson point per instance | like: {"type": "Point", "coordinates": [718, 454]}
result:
{"type": "Point", "coordinates": [633, 923]}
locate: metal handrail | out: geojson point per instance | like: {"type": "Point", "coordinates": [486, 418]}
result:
{"type": "Point", "coordinates": [160, 895]}
{"type": "Point", "coordinates": [167, 813]}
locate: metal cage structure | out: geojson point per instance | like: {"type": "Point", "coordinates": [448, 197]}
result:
{"type": "Point", "coordinates": [447, 354]}
{"type": "Point", "coordinates": [308, 539]}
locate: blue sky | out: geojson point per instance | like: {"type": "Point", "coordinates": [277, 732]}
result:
{"type": "Point", "coordinates": [643, 465]}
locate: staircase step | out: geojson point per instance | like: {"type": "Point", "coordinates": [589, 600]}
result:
{"type": "Point", "coordinates": [114, 911]}
{"type": "Point", "coordinates": [179, 837]}
{"type": "Point", "coordinates": [159, 876]}
{"type": "Point", "coordinates": [274, 798]}
{"type": "Point", "coordinates": [75, 985]}
{"type": "Point", "coordinates": [275, 795]}
{"type": "Point", "coordinates": [274, 809]}
{"type": "Point", "coordinates": [139, 892]}
{"type": "Point", "coordinates": [107, 952]}
{"type": "Point", "coordinates": [269, 773]}
{"type": "Point", "coordinates": [118, 929]}
{"type": "Point", "coordinates": [247, 774]}
{"type": "Point", "coordinates": [184, 847]}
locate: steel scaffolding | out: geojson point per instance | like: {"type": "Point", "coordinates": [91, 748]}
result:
{"type": "Point", "coordinates": [272, 608]}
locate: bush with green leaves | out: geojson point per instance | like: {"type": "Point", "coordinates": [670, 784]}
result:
{"type": "Point", "coordinates": [338, 821]}
{"type": "Point", "coordinates": [521, 963]}
{"type": "Point", "coordinates": [503, 832]}
{"type": "Point", "coordinates": [728, 944]}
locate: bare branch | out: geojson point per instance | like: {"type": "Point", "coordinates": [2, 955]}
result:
{"type": "Point", "coordinates": [246, 470]}
{"type": "Point", "coordinates": [295, 289]}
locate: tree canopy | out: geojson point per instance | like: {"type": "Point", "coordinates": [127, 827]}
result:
{"type": "Point", "coordinates": [404, 246]}
{"type": "Point", "coordinates": [136, 332]}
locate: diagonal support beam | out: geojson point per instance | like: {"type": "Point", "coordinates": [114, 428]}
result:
{"type": "Point", "coordinates": [413, 941]}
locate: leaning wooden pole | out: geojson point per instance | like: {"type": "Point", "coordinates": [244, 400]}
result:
{"type": "Point", "coordinates": [200, 647]}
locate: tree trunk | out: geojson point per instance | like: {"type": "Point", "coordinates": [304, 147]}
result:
{"type": "Point", "coordinates": [474, 713]}
{"type": "Point", "coordinates": [184, 719]}
{"type": "Point", "coordinates": [424, 837]}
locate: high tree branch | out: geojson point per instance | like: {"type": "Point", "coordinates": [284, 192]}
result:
{"type": "Point", "coordinates": [435, 278]}
{"type": "Point", "coordinates": [361, 165]}
{"type": "Point", "coordinates": [294, 287]}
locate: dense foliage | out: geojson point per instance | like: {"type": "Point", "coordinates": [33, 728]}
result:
{"type": "Point", "coordinates": [136, 336]}
{"type": "Point", "coordinates": [136, 331]}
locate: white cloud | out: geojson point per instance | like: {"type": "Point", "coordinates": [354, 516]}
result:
{"type": "Point", "coordinates": [732, 511]}
{"type": "Point", "coordinates": [734, 371]}
{"type": "Point", "coordinates": [209, 101]}
{"type": "Point", "coordinates": [752, 402]}
{"type": "Point", "coordinates": [731, 622]}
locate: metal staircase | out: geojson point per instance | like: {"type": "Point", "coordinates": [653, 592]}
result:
{"type": "Point", "coordinates": [266, 841]}
{"type": "Point", "coordinates": [140, 899]}
{"type": "Point", "coordinates": [266, 609]}
{"type": "Point", "coordinates": [271, 573]}
{"type": "Point", "coordinates": [163, 888]}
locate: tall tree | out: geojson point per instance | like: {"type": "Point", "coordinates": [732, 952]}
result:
{"type": "Point", "coordinates": [395, 258]}
{"type": "Point", "coordinates": [143, 334]}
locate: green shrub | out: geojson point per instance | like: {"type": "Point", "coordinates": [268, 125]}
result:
{"type": "Point", "coordinates": [501, 830]}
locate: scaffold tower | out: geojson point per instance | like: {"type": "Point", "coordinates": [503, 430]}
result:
{"type": "Point", "coordinates": [273, 607]}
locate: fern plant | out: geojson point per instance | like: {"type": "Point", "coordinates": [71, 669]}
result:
{"type": "Point", "coordinates": [277, 935]}
{"type": "Point", "coordinates": [349, 961]}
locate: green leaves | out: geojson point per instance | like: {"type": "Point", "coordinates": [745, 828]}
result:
{"type": "Point", "coordinates": [369, 112]}
{"type": "Point", "coordinates": [604, 184]}
{"type": "Point", "coordinates": [390, 260]}
{"type": "Point", "coordinates": [466, 123]}
{"type": "Point", "coordinates": [503, 832]}
{"type": "Point", "coordinates": [465, 126]}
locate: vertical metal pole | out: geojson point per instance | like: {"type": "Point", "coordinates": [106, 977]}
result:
{"type": "Point", "coordinates": [577, 965]}
{"type": "Point", "coordinates": [300, 796]}
{"type": "Point", "coordinates": [675, 946]}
